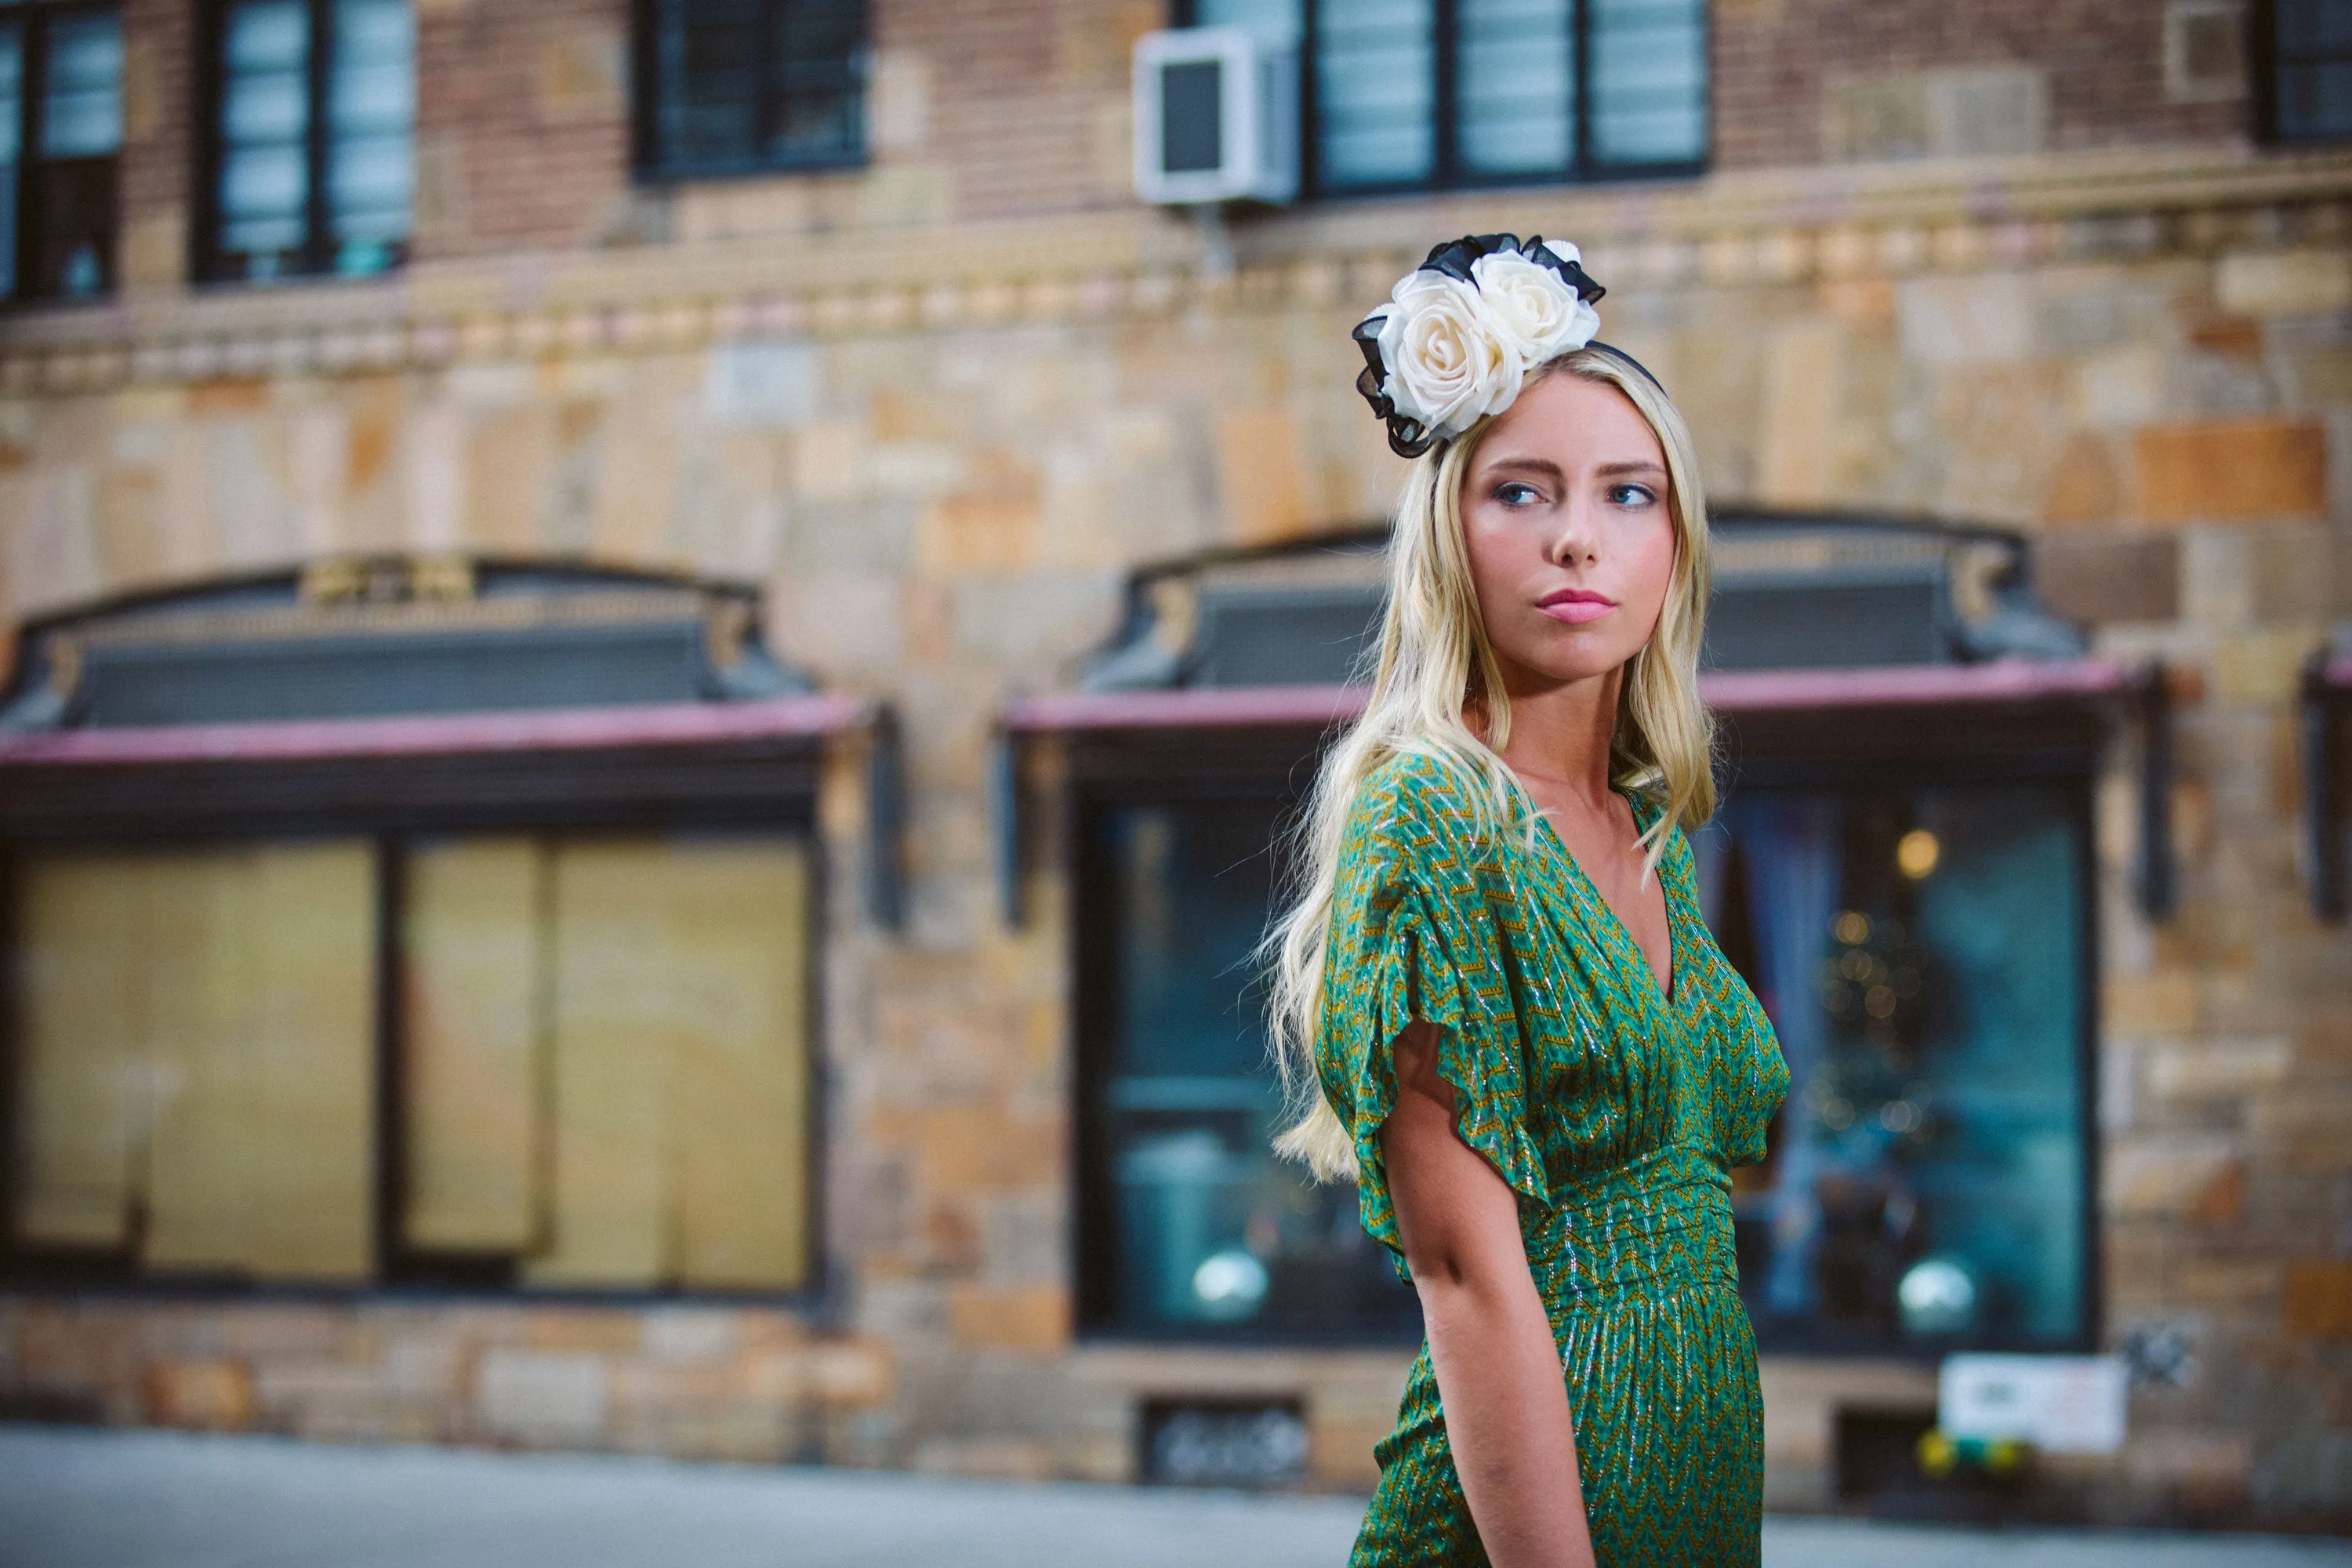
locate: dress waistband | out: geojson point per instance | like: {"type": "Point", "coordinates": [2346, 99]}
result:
{"type": "Point", "coordinates": [1656, 1224]}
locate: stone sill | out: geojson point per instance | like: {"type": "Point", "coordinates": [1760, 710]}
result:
{"type": "Point", "coordinates": [1222, 1371]}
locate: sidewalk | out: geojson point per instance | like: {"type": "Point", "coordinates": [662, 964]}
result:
{"type": "Point", "coordinates": [74, 1499]}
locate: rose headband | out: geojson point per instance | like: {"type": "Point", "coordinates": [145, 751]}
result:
{"type": "Point", "coordinates": [1461, 332]}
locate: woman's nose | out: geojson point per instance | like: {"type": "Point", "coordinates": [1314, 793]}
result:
{"type": "Point", "coordinates": [1572, 537]}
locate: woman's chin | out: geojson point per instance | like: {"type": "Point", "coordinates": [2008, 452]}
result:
{"type": "Point", "coordinates": [1554, 668]}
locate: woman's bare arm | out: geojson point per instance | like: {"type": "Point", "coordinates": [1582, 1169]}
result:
{"type": "Point", "coordinates": [1498, 1373]}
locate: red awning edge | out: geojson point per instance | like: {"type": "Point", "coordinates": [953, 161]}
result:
{"type": "Point", "coordinates": [1726, 692]}
{"type": "Point", "coordinates": [1911, 686]}
{"type": "Point", "coordinates": [438, 734]}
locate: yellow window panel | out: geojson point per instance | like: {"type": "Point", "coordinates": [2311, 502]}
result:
{"type": "Point", "coordinates": [679, 1064]}
{"type": "Point", "coordinates": [311, 1062]}
{"type": "Point", "coordinates": [611, 1043]}
{"type": "Point", "coordinates": [260, 1029]}
{"type": "Point", "coordinates": [78, 938]}
{"type": "Point", "coordinates": [470, 987]}
{"type": "Point", "coordinates": [739, 1080]}
{"type": "Point", "coordinates": [200, 983]}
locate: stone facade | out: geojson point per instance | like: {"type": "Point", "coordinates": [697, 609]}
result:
{"type": "Point", "coordinates": [939, 407]}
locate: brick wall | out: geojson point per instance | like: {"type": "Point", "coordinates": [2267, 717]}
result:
{"type": "Point", "coordinates": [522, 138]}
{"type": "Point", "coordinates": [1008, 109]}
{"type": "Point", "coordinates": [2102, 63]}
{"type": "Point", "coordinates": [159, 43]}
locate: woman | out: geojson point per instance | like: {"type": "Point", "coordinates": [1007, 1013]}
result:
{"type": "Point", "coordinates": [1532, 1057]}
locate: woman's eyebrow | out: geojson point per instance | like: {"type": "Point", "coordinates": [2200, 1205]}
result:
{"type": "Point", "coordinates": [1642, 466]}
{"type": "Point", "coordinates": [1544, 466]}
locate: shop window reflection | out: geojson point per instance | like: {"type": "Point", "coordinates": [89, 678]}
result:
{"type": "Point", "coordinates": [1923, 956]}
{"type": "Point", "coordinates": [1199, 1231]}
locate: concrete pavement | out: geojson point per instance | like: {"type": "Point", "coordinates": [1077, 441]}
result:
{"type": "Point", "coordinates": [74, 1499]}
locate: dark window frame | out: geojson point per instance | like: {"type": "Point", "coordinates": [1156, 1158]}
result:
{"type": "Point", "coordinates": [1446, 173]}
{"type": "Point", "coordinates": [33, 18]}
{"type": "Point", "coordinates": [1108, 773]}
{"type": "Point", "coordinates": [2263, 56]}
{"type": "Point", "coordinates": [754, 786]}
{"type": "Point", "coordinates": [1821, 769]}
{"type": "Point", "coordinates": [647, 164]}
{"type": "Point", "coordinates": [208, 261]}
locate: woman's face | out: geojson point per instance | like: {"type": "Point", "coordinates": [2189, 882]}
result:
{"type": "Point", "coordinates": [1565, 515]}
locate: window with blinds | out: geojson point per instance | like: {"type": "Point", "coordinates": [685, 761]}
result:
{"type": "Point", "coordinates": [2305, 48]}
{"type": "Point", "coordinates": [311, 122]}
{"type": "Point", "coordinates": [729, 87]}
{"type": "Point", "coordinates": [60, 129]}
{"type": "Point", "coordinates": [1415, 95]}
{"type": "Point", "coordinates": [596, 1048]}
{"type": "Point", "coordinates": [606, 1058]}
{"type": "Point", "coordinates": [196, 1057]}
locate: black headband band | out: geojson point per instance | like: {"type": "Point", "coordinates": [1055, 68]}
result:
{"type": "Point", "coordinates": [1613, 351]}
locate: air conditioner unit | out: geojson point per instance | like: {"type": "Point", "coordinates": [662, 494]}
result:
{"type": "Point", "coordinates": [1217, 117]}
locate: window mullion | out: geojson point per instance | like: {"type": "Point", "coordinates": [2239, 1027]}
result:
{"type": "Point", "coordinates": [32, 84]}
{"type": "Point", "coordinates": [319, 143]}
{"type": "Point", "coordinates": [1579, 156]}
{"type": "Point", "coordinates": [1311, 129]}
{"type": "Point", "coordinates": [1446, 93]}
{"type": "Point", "coordinates": [768, 99]}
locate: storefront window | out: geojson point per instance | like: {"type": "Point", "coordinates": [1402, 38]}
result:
{"type": "Point", "coordinates": [1206, 1233]}
{"type": "Point", "coordinates": [415, 922]}
{"type": "Point", "coordinates": [1923, 954]}
{"type": "Point", "coordinates": [597, 1056]}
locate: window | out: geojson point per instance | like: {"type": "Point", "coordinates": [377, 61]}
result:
{"type": "Point", "coordinates": [1923, 952]}
{"type": "Point", "coordinates": [311, 129]}
{"type": "Point", "coordinates": [60, 128]}
{"type": "Point", "coordinates": [728, 86]}
{"type": "Point", "coordinates": [198, 1048]}
{"type": "Point", "coordinates": [412, 921]}
{"type": "Point", "coordinates": [1902, 869]}
{"type": "Point", "coordinates": [2306, 48]}
{"type": "Point", "coordinates": [1195, 1228]}
{"type": "Point", "coordinates": [1415, 94]}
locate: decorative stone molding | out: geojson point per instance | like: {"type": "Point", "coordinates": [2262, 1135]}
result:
{"type": "Point", "coordinates": [1783, 228]}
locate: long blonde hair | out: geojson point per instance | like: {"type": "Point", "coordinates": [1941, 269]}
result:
{"type": "Point", "coordinates": [1436, 664]}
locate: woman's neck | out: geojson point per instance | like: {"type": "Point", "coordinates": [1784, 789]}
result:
{"type": "Point", "coordinates": [1560, 731]}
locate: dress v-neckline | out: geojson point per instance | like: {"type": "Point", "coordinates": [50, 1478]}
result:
{"type": "Point", "coordinates": [1613, 921]}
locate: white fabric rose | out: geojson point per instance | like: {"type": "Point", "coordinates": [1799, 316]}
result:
{"type": "Point", "coordinates": [1533, 309]}
{"type": "Point", "coordinates": [1447, 365]}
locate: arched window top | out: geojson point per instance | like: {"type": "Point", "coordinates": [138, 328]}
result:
{"type": "Point", "coordinates": [363, 636]}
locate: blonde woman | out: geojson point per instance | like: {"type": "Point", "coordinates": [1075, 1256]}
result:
{"type": "Point", "coordinates": [1531, 1056]}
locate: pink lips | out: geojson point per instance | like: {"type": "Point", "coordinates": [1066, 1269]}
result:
{"type": "Point", "coordinates": [1576, 605]}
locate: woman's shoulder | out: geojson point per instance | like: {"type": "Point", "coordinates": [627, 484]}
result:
{"type": "Point", "coordinates": [1411, 806]}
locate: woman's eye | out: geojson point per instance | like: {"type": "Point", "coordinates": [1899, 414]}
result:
{"type": "Point", "coordinates": [1632, 495]}
{"type": "Point", "coordinates": [1513, 493]}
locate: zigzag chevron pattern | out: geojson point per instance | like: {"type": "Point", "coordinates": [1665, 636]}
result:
{"type": "Point", "coordinates": [1615, 1111]}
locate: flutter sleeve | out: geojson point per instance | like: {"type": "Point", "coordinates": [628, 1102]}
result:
{"type": "Point", "coordinates": [1412, 938]}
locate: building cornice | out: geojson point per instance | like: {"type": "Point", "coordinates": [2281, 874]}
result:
{"type": "Point", "coordinates": [1785, 226]}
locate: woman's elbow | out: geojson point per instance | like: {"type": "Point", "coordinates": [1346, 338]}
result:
{"type": "Point", "coordinates": [1434, 1267]}
{"type": "Point", "coordinates": [1449, 1268]}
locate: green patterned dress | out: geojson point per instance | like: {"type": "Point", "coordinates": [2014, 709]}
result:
{"type": "Point", "coordinates": [1614, 1111]}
